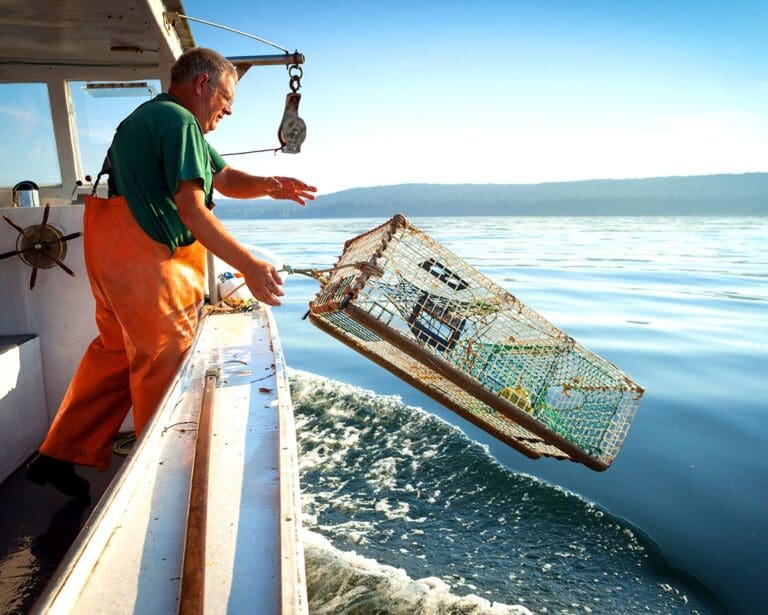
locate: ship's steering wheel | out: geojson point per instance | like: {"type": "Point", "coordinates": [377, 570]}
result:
{"type": "Point", "coordinates": [41, 246]}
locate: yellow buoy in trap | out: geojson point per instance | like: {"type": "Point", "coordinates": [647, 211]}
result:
{"type": "Point", "coordinates": [415, 308]}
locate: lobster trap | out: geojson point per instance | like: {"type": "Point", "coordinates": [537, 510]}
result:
{"type": "Point", "coordinates": [415, 308]}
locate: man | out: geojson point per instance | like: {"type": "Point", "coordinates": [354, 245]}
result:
{"type": "Point", "coordinates": [145, 257]}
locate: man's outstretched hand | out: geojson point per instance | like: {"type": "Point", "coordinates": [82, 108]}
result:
{"type": "Point", "coordinates": [291, 189]}
{"type": "Point", "coordinates": [264, 282]}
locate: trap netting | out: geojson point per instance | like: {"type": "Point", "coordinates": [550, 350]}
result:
{"type": "Point", "coordinates": [415, 308]}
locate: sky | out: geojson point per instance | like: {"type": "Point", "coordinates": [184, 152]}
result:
{"type": "Point", "coordinates": [493, 91]}
{"type": "Point", "coordinates": [501, 91]}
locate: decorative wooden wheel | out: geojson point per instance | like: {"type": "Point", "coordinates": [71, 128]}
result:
{"type": "Point", "coordinates": [41, 246]}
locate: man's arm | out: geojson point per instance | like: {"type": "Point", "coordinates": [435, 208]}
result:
{"type": "Point", "coordinates": [240, 185]}
{"type": "Point", "coordinates": [261, 277]}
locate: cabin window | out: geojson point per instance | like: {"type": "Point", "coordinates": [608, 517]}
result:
{"type": "Point", "coordinates": [99, 108]}
{"type": "Point", "coordinates": [28, 148]}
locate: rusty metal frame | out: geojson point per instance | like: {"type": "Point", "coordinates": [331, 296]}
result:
{"type": "Point", "coordinates": [351, 307]}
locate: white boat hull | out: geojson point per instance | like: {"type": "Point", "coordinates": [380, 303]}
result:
{"type": "Point", "coordinates": [129, 559]}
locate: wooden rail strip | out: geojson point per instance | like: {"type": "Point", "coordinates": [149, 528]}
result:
{"type": "Point", "coordinates": [192, 597]}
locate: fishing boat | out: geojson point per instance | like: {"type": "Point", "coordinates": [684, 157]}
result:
{"type": "Point", "coordinates": [158, 535]}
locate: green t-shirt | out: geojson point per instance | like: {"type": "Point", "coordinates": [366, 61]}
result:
{"type": "Point", "coordinates": [155, 147]}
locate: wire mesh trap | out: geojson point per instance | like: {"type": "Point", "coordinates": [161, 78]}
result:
{"type": "Point", "coordinates": [409, 304]}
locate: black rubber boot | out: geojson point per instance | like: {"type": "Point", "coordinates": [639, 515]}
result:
{"type": "Point", "coordinates": [59, 474]}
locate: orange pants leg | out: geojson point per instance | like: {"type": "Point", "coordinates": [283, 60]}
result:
{"type": "Point", "coordinates": [147, 312]}
{"type": "Point", "coordinates": [96, 401]}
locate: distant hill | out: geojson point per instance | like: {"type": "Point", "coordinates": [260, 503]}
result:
{"type": "Point", "coordinates": [706, 195]}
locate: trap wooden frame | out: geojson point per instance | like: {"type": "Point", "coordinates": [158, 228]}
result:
{"type": "Point", "coordinates": [415, 308]}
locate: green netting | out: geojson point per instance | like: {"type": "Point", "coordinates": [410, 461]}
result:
{"type": "Point", "coordinates": [426, 315]}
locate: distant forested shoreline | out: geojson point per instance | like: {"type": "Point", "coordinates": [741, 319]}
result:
{"type": "Point", "coordinates": [705, 195]}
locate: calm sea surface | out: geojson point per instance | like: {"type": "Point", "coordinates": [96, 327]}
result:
{"type": "Point", "coordinates": [679, 523]}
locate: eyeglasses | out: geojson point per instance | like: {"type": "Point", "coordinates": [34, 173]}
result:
{"type": "Point", "coordinates": [230, 100]}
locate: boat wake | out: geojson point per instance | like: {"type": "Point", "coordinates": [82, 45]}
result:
{"type": "Point", "coordinates": [389, 488]}
{"type": "Point", "coordinates": [345, 582]}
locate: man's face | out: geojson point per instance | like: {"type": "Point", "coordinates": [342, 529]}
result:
{"type": "Point", "coordinates": [217, 102]}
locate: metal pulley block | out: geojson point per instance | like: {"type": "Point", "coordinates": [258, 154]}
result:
{"type": "Point", "coordinates": [293, 130]}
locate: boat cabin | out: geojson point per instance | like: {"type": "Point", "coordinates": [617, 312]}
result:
{"type": "Point", "coordinates": [69, 72]}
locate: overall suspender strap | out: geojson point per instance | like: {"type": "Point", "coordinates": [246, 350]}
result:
{"type": "Point", "coordinates": [106, 169]}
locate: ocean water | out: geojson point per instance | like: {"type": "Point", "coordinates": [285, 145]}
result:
{"type": "Point", "coordinates": [410, 509]}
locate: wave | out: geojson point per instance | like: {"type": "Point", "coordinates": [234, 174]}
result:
{"type": "Point", "coordinates": [345, 582]}
{"type": "Point", "coordinates": [410, 492]}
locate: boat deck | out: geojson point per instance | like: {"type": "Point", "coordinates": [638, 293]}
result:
{"type": "Point", "coordinates": [128, 556]}
{"type": "Point", "coordinates": [37, 527]}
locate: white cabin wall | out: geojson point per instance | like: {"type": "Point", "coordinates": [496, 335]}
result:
{"type": "Point", "coordinates": [59, 310]}
{"type": "Point", "coordinates": [23, 419]}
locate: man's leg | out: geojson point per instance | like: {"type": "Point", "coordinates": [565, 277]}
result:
{"type": "Point", "coordinates": [96, 402]}
{"type": "Point", "coordinates": [156, 297]}
{"type": "Point", "coordinates": [147, 307]}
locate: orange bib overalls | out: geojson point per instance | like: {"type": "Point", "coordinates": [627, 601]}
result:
{"type": "Point", "coordinates": [147, 305]}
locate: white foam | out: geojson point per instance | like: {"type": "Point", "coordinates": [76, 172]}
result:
{"type": "Point", "coordinates": [342, 581]}
{"type": "Point", "coordinates": [383, 482]}
{"type": "Point", "coordinates": [308, 382]}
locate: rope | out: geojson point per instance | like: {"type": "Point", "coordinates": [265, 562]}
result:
{"type": "Point", "coordinates": [124, 443]}
{"type": "Point", "coordinates": [317, 274]}
{"type": "Point", "coordinates": [320, 275]}
{"type": "Point", "coordinates": [256, 151]}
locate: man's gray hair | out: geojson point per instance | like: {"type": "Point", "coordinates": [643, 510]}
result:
{"type": "Point", "coordinates": [200, 61]}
